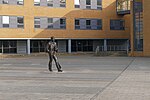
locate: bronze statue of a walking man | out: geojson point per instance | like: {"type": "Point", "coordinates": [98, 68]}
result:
{"type": "Point", "coordinates": [52, 49]}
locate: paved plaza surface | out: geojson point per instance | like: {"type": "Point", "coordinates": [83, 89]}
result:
{"type": "Point", "coordinates": [85, 77]}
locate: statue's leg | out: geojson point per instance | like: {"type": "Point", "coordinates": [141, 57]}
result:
{"type": "Point", "coordinates": [57, 64]}
{"type": "Point", "coordinates": [50, 62]}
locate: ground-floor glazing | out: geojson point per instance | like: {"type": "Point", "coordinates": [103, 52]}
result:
{"type": "Point", "coordinates": [23, 46]}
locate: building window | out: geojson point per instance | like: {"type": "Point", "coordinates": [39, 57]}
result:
{"type": "Point", "coordinates": [9, 46]}
{"type": "Point", "coordinates": [5, 1]}
{"type": "Point", "coordinates": [19, 2]}
{"type": "Point", "coordinates": [50, 3]}
{"type": "Point", "coordinates": [63, 23]}
{"type": "Point", "coordinates": [62, 3]}
{"type": "Point", "coordinates": [88, 24]}
{"type": "Point", "coordinates": [77, 24]}
{"type": "Point", "coordinates": [117, 24]}
{"type": "Point", "coordinates": [99, 4]}
{"type": "Point", "coordinates": [99, 24]}
{"type": "Point", "coordinates": [138, 25]}
{"type": "Point", "coordinates": [20, 22]}
{"type": "Point", "coordinates": [77, 3]}
{"type": "Point", "coordinates": [36, 22]}
{"type": "Point", "coordinates": [88, 4]}
{"type": "Point", "coordinates": [50, 23]}
{"type": "Point", "coordinates": [5, 21]}
{"type": "Point", "coordinates": [123, 6]}
{"type": "Point", "coordinates": [82, 45]}
{"type": "Point", "coordinates": [37, 2]}
{"type": "Point", "coordinates": [38, 46]}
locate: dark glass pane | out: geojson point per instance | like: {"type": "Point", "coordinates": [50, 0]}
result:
{"type": "Point", "coordinates": [77, 6]}
{"type": "Point", "coordinates": [37, 26]}
{"type": "Point", "coordinates": [88, 22]}
{"type": "Point", "coordinates": [6, 25]}
{"type": "Point", "coordinates": [5, 43]}
{"type": "Point", "coordinates": [20, 20]}
{"type": "Point", "coordinates": [62, 21]}
{"type": "Point", "coordinates": [88, 2]}
{"type": "Point", "coordinates": [77, 22]}
{"type": "Point", "coordinates": [50, 27]}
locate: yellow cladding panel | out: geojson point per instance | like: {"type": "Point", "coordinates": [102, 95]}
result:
{"type": "Point", "coordinates": [146, 20]}
{"type": "Point", "coordinates": [29, 11]}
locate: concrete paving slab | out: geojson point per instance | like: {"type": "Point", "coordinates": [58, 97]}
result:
{"type": "Point", "coordinates": [84, 78]}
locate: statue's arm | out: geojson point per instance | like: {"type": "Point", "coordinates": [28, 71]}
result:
{"type": "Point", "coordinates": [47, 47]}
{"type": "Point", "coordinates": [56, 48]}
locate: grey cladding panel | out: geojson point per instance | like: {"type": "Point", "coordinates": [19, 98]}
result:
{"type": "Point", "coordinates": [94, 4]}
{"type": "Point", "coordinates": [82, 23]}
{"type": "Point", "coordinates": [13, 22]}
{"type": "Point", "coordinates": [21, 47]}
{"type": "Point", "coordinates": [13, 2]}
{"type": "Point", "coordinates": [83, 4]}
{"type": "Point", "coordinates": [0, 21]}
{"type": "Point", "coordinates": [43, 3]}
{"type": "Point", "coordinates": [56, 23]}
{"type": "Point", "coordinates": [94, 24]}
{"type": "Point", "coordinates": [0, 1]}
{"type": "Point", "coordinates": [62, 46]}
{"type": "Point", "coordinates": [43, 22]}
{"type": "Point", "coordinates": [56, 3]}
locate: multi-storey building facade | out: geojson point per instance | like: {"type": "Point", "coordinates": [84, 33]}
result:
{"type": "Point", "coordinates": [77, 25]}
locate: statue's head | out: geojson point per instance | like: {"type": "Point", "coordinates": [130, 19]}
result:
{"type": "Point", "coordinates": [52, 39]}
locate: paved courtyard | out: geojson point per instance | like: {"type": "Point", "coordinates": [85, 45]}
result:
{"type": "Point", "coordinates": [85, 77]}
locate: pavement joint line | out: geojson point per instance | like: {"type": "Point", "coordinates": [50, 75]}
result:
{"type": "Point", "coordinates": [7, 64]}
{"type": "Point", "coordinates": [99, 92]}
{"type": "Point", "coordinates": [35, 64]}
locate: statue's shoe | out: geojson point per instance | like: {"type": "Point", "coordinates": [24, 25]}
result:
{"type": "Point", "coordinates": [60, 70]}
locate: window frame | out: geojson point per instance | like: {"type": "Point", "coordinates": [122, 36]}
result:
{"type": "Point", "coordinates": [37, 24]}
{"type": "Point", "coordinates": [50, 3]}
{"type": "Point", "coordinates": [20, 25]}
{"type": "Point", "coordinates": [99, 6]}
{"type": "Point", "coordinates": [63, 24]}
{"type": "Point", "coordinates": [20, 2]}
{"type": "Point", "coordinates": [77, 5]}
{"type": "Point", "coordinates": [62, 4]}
{"type": "Point", "coordinates": [113, 27]}
{"type": "Point", "coordinates": [77, 26]}
{"type": "Point", "coordinates": [5, 25]}
{"type": "Point", "coordinates": [88, 25]}
{"type": "Point", "coordinates": [50, 23]}
{"type": "Point", "coordinates": [37, 3]}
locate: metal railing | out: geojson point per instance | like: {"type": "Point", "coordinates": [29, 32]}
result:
{"type": "Point", "coordinates": [112, 48]}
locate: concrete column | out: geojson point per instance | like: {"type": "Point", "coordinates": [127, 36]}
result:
{"type": "Point", "coordinates": [69, 46]}
{"type": "Point", "coordinates": [28, 46]}
{"type": "Point", "coordinates": [105, 44]}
